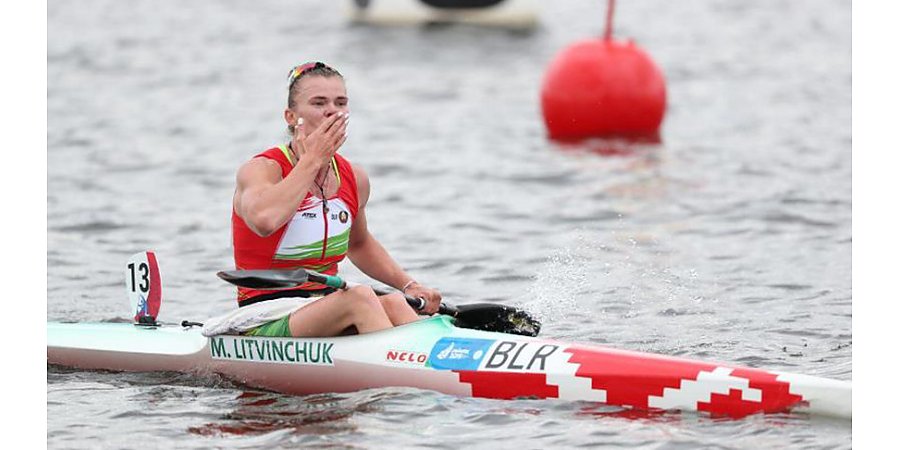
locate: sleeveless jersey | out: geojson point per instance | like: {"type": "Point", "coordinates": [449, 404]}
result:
{"type": "Point", "coordinates": [316, 238]}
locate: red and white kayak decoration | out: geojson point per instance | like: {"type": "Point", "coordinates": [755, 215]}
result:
{"type": "Point", "coordinates": [646, 382]}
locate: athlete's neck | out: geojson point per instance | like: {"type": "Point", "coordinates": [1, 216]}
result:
{"type": "Point", "coordinates": [297, 153]}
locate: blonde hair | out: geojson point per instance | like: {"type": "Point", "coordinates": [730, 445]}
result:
{"type": "Point", "coordinates": [298, 73]}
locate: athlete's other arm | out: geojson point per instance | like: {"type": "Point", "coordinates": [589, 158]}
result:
{"type": "Point", "coordinates": [371, 258]}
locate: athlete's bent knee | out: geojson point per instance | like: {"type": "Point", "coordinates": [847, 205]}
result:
{"type": "Point", "coordinates": [395, 302]}
{"type": "Point", "coordinates": [362, 291]}
{"type": "Point", "coordinates": [361, 300]}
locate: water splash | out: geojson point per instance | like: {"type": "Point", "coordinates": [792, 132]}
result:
{"type": "Point", "coordinates": [553, 294]}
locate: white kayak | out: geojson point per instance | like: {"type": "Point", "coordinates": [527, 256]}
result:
{"type": "Point", "coordinates": [436, 355]}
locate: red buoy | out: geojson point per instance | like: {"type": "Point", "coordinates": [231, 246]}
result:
{"type": "Point", "coordinates": [603, 88]}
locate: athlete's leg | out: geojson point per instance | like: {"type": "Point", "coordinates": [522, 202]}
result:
{"type": "Point", "coordinates": [397, 309]}
{"type": "Point", "coordinates": [332, 314]}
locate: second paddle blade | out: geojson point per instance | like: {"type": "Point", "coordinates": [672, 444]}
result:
{"type": "Point", "coordinates": [264, 279]}
{"type": "Point", "coordinates": [499, 318]}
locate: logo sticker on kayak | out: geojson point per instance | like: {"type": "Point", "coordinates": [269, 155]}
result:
{"type": "Point", "coordinates": [405, 357]}
{"type": "Point", "coordinates": [459, 353]}
{"type": "Point", "coordinates": [285, 351]}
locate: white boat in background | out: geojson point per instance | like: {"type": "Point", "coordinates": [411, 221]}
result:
{"type": "Point", "coordinates": [518, 14]}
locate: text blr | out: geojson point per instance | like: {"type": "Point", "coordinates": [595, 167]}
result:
{"type": "Point", "coordinates": [524, 356]}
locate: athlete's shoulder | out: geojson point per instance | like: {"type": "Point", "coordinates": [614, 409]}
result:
{"type": "Point", "coordinates": [258, 169]}
{"type": "Point", "coordinates": [361, 176]}
{"type": "Point", "coordinates": [359, 171]}
{"type": "Point", "coordinates": [281, 154]}
{"type": "Point", "coordinates": [269, 164]}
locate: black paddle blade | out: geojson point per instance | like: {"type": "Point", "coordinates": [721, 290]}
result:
{"type": "Point", "coordinates": [265, 279]}
{"type": "Point", "coordinates": [499, 318]}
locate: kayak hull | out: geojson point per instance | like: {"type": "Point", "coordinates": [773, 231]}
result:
{"type": "Point", "coordinates": [433, 354]}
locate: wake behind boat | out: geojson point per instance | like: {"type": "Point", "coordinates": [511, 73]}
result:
{"type": "Point", "coordinates": [435, 354]}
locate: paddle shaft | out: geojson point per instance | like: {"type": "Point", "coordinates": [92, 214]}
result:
{"type": "Point", "coordinates": [417, 303]}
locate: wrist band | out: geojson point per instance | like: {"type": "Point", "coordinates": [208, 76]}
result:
{"type": "Point", "coordinates": [407, 285]}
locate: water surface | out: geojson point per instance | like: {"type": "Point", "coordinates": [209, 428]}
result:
{"type": "Point", "coordinates": [730, 241]}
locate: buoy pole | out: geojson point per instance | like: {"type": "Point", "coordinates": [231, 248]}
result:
{"type": "Point", "coordinates": [610, 8]}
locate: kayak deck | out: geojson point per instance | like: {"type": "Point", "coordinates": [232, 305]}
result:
{"type": "Point", "coordinates": [433, 354]}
